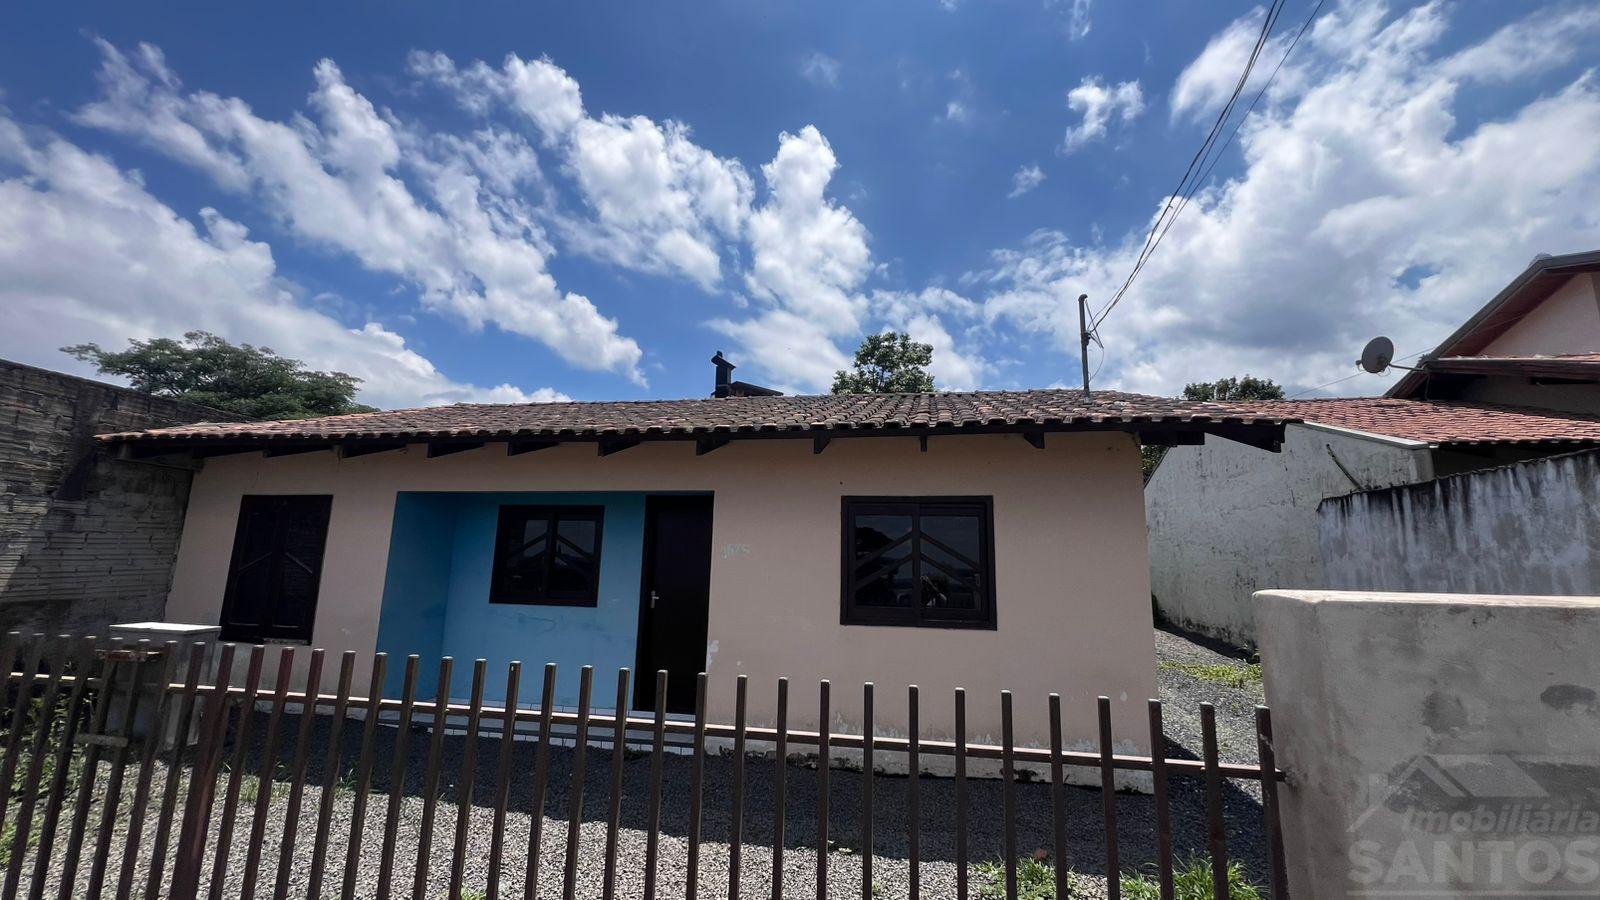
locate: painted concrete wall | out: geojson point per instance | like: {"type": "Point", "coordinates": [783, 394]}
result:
{"type": "Point", "coordinates": [1226, 520]}
{"type": "Point", "coordinates": [1072, 578]}
{"type": "Point", "coordinates": [436, 594]}
{"type": "Point", "coordinates": [1531, 527]}
{"type": "Point", "coordinates": [1436, 744]}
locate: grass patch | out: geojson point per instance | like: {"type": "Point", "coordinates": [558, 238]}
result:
{"type": "Point", "coordinates": [1191, 880]}
{"type": "Point", "coordinates": [1036, 880]}
{"type": "Point", "coordinates": [1242, 676]}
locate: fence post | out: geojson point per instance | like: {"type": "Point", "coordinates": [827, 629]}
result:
{"type": "Point", "coordinates": [202, 782]}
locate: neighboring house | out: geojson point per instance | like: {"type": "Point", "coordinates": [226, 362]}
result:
{"type": "Point", "coordinates": [1514, 383]}
{"type": "Point", "coordinates": [1535, 344]}
{"type": "Point", "coordinates": [84, 542]}
{"type": "Point", "coordinates": [992, 541]}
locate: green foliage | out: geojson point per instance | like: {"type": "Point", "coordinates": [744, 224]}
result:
{"type": "Point", "coordinates": [1036, 880]}
{"type": "Point", "coordinates": [1234, 675]}
{"type": "Point", "coordinates": [242, 379]}
{"type": "Point", "coordinates": [1191, 880]}
{"type": "Point", "coordinates": [1224, 389]}
{"type": "Point", "coordinates": [887, 363]}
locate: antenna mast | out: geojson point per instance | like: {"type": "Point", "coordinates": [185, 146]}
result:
{"type": "Point", "coordinates": [1083, 340]}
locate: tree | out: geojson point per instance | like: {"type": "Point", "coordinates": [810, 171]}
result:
{"type": "Point", "coordinates": [887, 363]}
{"type": "Point", "coordinates": [1222, 390]}
{"type": "Point", "coordinates": [249, 381]}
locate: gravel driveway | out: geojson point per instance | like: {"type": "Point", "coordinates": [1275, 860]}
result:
{"type": "Point", "coordinates": [1086, 854]}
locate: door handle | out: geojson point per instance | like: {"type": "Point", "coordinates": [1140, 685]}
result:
{"type": "Point", "coordinates": [653, 598]}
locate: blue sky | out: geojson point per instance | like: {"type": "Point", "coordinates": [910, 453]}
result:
{"type": "Point", "coordinates": [539, 201]}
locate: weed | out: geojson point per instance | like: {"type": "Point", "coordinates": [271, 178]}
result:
{"type": "Point", "coordinates": [1036, 880]}
{"type": "Point", "coordinates": [1242, 676]}
{"type": "Point", "coordinates": [1191, 880]}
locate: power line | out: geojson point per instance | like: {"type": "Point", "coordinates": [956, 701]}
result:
{"type": "Point", "coordinates": [1205, 157]}
{"type": "Point", "coordinates": [1350, 376]}
{"type": "Point", "coordinates": [1185, 185]}
{"type": "Point", "coordinates": [1206, 173]}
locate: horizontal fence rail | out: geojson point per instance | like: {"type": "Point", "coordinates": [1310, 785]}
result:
{"type": "Point", "coordinates": [133, 772]}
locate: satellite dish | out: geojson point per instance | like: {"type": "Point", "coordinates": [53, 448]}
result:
{"type": "Point", "coordinates": [1377, 355]}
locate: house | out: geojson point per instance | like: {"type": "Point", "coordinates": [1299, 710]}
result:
{"type": "Point", "coordinates": [1519, 381]}
{"type": "Point", "coordinates": [1537, 343]}
{"type": "Point", "coordinates": [990, 541]}
{"type": "Point", "coordinates": [84, 541]}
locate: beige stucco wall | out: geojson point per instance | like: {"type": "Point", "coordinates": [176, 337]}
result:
{"type": "Point", "coordinates": [1431, 740]}
{"type": "Point", "coordinates": [1072, 578]}
{"type": "Point", "coordinates": [1568, 321]}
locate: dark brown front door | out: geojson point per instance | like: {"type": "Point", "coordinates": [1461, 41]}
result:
{"type": "Point", "coordinates": [675, 598]}
{"type": "Point", "coordinates": [277, 568]}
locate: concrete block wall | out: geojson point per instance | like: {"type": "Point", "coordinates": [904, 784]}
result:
{"type": "Point", "coordinates": [85, 540]}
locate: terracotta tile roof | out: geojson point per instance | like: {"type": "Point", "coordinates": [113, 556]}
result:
{"type": "Point", "coordinates": [736, 416]}
{"type": "Point", "coordinates": [1439, 421]}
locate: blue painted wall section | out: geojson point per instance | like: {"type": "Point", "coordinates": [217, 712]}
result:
{"type": "Point", "coordinates": [436, 597]}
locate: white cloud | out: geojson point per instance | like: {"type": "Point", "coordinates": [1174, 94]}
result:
{"type": "Point", "coordinates": [1076, 16]}
{"type": "Point", "coordinates": [924, 316]}
{"type": "Point", "coordinates": [808, 256]}
{"type": "Point", "coordinates": [1026, 179]}
{"type": "Point", "coordinates": [661, 203]}
{"type": "Point", "coordinates": [336, 182]}
{"type": "Point", "coordinates": [820, 69]}
{"type": "Point", "coordinates": [1353, 181]}
{"type": "Point", "coordinates": [1535, 44]}
{"type": "Point", "coordinates": [1099, 104]}
{"type": "Point", "coordinates": [1208, 81]}
{"type": "Point", "coordinates": [90, 255]}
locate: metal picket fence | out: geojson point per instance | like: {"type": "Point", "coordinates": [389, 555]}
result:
{"type": "Point", "coordinates": [83, 720]}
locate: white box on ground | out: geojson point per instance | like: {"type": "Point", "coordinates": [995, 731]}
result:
{"type": "Point", "coordinates": [145, 674]}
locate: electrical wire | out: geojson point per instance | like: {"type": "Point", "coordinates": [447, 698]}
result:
{"type": "Point", "coordinates": [1189, 184]}
{"type": "Point", "coordinates": [1206, 174]}
{"type": "Point", "coordinates": [1350, 376]}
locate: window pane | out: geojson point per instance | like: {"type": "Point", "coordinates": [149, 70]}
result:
{"type": "Point", "coordinates": [522, 567]}
{"type": "Point", "coordinates": [890, 588]}
{"type": "Point", "coordinates": [883, 575]}
{"type": "Point", "coordinates": [874, 533]}
{"type": "Point", "coordinates": [952, 562]}
{"type": "Point", "coordinates": [574, 570]}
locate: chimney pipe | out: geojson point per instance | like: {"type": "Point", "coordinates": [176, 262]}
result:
{"type": "Point", "coordinates": [724, 375]}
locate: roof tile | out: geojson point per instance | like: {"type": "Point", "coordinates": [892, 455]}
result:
{"type": "Point", "coordinates": [1438, 421]}
{"type": "Point", "coordinates": [977, 409]}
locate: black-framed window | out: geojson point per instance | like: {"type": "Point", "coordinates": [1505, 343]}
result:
{"type": "Point", "coordinates": [920, 561]}
{"type": "Point", "coordinates": [548, 555]}
{"type": "Point", "coordinates": [276, 569]}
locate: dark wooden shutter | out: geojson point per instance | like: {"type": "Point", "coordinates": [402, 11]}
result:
{"type": "Point", "coordinates": [276, 569]}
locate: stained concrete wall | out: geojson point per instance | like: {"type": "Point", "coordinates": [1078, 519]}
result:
{"type": "Point", "coordinates": [85, 541]}
{"type": "Point", "coordinates": [1527, 528]}
{"type": "Point", "coordinates": [1072, 579]}
{"type": "Point", "coordinates": [1226, 520]}
{"type": "Point", "coordinates": [1436, 744]}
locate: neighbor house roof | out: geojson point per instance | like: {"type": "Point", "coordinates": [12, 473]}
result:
{"type": "Point", "coordinates": [1536, 283]}
{"type": "Point", "coordinates": [843, 415]}
{"type": "Point", "coordinates": [1572, 366]}
{"type": "Point", "coordinates": [1440, 421]}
